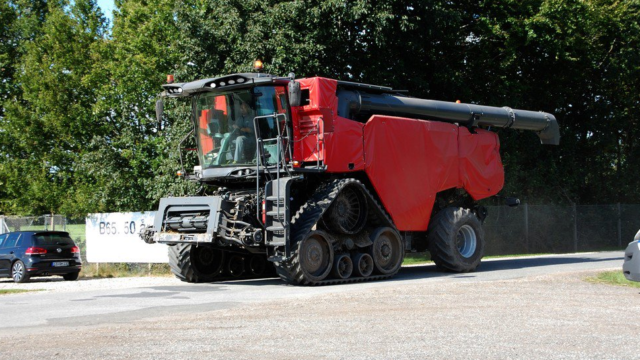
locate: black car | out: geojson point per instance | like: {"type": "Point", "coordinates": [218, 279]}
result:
{"type": "Point", "coordinates": [24, 254]}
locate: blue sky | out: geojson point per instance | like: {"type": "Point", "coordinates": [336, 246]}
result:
{"type": "Point", "coordinates": [107, 7]}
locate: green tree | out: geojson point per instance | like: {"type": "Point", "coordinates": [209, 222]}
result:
{"type": "Point", "coordinates": [574, 59]}
{"type": "Point", "coordinates": [46, 127]}
{"type": "Point", "coordinates": [134, 162]}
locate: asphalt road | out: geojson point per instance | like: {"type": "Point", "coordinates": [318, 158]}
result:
{"type": "Point", "coordinates": [538, 307]}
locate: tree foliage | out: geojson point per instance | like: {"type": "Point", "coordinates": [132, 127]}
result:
{"type": "Point", "coordinates": [77, 129]}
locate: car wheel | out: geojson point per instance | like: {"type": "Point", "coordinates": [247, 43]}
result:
{"type": "Point", "coordinates": [71, 276]}
{"type": "Point", "coordinates": [19, 272]}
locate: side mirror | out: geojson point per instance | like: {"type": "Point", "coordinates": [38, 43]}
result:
{"type": "Point", "coordinates": [159, 110]}
{"type": "Point", "coordinates": [512, 202]}
{"type": "Point", "coordinates": [295, 94]}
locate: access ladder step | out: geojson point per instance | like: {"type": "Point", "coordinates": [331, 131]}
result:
{"type": "Point", "coordinates": [275, 228]}
{"type": "Point", "coordinates": [275, 213]}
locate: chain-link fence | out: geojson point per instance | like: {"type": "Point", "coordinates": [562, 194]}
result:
{"type": "Point", "coordinates": [33, 223]}
{"type": "Point", "coordinates": [530, 229]}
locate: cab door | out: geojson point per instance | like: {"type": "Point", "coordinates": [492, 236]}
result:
{"type": "Point", "coordinates": [5, 263]}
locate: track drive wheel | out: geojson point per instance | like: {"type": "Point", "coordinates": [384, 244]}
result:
{"type": "Point", "coordinates": [194, 264]}
{"type": "Point", "coordinates": [348, 212]}
{"type": "Point", "coordinates": [456, 240]}
{"type": "Point", "coordinates": [387, 250]}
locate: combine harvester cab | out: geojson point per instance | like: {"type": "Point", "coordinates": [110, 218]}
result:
{"type": "Point", "coordinates": [328, 182]}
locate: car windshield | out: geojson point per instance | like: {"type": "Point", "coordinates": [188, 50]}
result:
{"type": "Point", "coordinates": [226, 134]}
{"type": "Point", "coordinates": [53, 239]}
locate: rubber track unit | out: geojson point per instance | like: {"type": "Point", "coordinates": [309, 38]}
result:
{"type": "Point", "coordinates": [309, 215]}
{"type": "Point", "coordinates": [181, 262]}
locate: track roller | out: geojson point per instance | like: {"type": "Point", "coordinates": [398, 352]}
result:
{"type": "Point", "coordinates": [342, 266]}
{"type": "Point", "coordinates": [363, 264]}
{"type": "Point", "coordinates": [235, 266]}
{"type": "Point", "coordinates": [257, 265]}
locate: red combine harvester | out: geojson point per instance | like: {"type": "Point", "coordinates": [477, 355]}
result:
{"type": "Point", "coordinates": [330, 181]}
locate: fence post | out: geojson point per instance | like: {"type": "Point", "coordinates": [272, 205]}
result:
{"type": "Point", "coordinates": [575, 228]}
{"type": "Point", "coordinates": [526, 227]}
{"type": "Point", "coordinates": [619, 225]}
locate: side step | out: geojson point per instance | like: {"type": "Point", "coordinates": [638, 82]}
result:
{"type": "Point", "coordinates": [278, 209]}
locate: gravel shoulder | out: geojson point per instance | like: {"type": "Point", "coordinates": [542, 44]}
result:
{"type": "Point", "coordinates": [557, 316]}
{"type": "Point", "coordinates": [57, 283]}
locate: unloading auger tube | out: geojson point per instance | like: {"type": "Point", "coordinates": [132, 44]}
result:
{"type": "Point", "coordinates": [353, 103]}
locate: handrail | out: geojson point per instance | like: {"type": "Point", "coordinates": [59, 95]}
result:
{"type": "Point", "coordinates": [281, 157]}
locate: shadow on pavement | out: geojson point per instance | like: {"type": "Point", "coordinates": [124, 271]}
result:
{"type": "Point", "coordinates": [428, 271]}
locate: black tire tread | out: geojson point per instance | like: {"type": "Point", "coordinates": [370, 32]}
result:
{"type": "Point", "coordinates": [180, 264]}
{"type": "Point", "coordinates": [71, 276]}
{"type": "Point", "coordinates": [441, 234]}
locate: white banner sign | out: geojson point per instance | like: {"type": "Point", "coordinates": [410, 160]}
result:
{"type": "Point", "coordinates": [113, 237]}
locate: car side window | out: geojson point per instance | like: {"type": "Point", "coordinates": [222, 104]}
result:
{"type": "Point", "coordinates": [2, 237]}
{"type": "Point", "coordinates": [12, 240]}
{"type": "Point", "coordinates": [23, 241]}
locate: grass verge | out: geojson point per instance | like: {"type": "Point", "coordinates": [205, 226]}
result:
{"type": "Point", "coordinates": [613, 278]}
{"type": "Point", "coordinates": [15, 291]}
{"type": "Point", "coordinates": [94, 270]}
{"type": "Point", "coordinates": [417, 259]}
{"type": "Point", "coordinates": [425, 258]}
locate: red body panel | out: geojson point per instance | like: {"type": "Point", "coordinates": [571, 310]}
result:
{"type": "Point", "coordinates": [408, 161]}
{"type": "Point", "coordinates": [481, 171]}
{"type": "Point", "coordinates": [316, 116]}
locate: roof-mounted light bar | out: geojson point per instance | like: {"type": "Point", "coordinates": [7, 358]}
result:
{"type": "Point", "coordinates": [227, 81]}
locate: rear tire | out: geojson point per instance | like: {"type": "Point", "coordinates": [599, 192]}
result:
{"type": "Point", "coordinates": [195, 264]}
{"type": "Point", "coordinates": [71, 276]}
{"type": "Point", "coordinates": [456, 240]}
{"type": "Point", "coordinates": [19, 272]}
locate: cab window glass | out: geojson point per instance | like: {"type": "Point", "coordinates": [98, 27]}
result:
{"type": "Point", "coordinates": [12, 240]}
{"type": "Point", "coordinates": [2, 237]}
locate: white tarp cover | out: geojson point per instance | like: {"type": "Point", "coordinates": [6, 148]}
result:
{"type": "Point", "coordinates": [113, 237]}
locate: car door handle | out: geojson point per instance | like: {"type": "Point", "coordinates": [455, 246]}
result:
{"type": "Point", "coordinates": [11, 252]}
